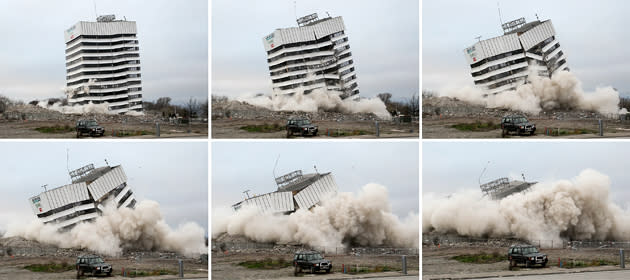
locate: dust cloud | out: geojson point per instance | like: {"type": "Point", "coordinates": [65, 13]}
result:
{"type": "Point", "coordinates": [142, 228]}
{"type": "Point", "coordinates": [318, 99]}
{"type": "Point", "coordinates": [364, 219]}
{"type": "Point", "coordinates": [563, 91]}
{"type": "Point", "coordinates": [576, 209]}
{"type": "Point", "coordinates": [76, 109]}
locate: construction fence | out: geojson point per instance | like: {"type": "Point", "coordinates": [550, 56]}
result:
{"type": "Point", "coordinates": [290, 249]}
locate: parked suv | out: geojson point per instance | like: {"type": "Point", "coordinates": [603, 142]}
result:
{"type": "Point", "coordinates": [302, 126]}
{"type": "Point", "coordinates": [92, 264]}
{"type": "Point", "coordinates": [310, 261]}
{"type": "Point", "coordinates": [527, 255]}
{"type": "Point", "coordinates": [517, 124]}
{"type": "Point", "coordinates": [90, 127]}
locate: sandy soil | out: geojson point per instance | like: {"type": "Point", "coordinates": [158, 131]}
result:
{"type": "Point", "coordinates": [438, 263]}
{"type": "Point", "coordinates": [226, 128]}
{"type": "Point", "coordinates": [26, 129]}
{"type": "Point", "coordinates": [13, 268]}
{"type": "Point", "coordinates": [226, 266]}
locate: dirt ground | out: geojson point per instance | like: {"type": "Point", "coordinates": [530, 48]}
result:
{"type": "Point", "coordinates": [437, 263]}
{"type": "Point", "coordinates": [13, 268]}
{"type": "Point", "coordinates": [225, 266]}
{"type": "Point", "coordinates": [231, 128]}
{"type": "Point", "coordinates": [131, 129]}
{"type": "Point", "coordinates": [436, 127]}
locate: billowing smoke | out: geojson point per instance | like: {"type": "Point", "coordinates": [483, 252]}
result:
{"type": "Point", "coordinates": [562, 91]}
{"type": "Point", "coordinates": [345, 219]}
{"type": "Point", "coordinates": [318, 99]}
{"type": "Point", "coordinates": [577, 209]}
{"type": "Point", "coordinates": [76, 109]}
{"type": "Point", "coordinates": [141, 228]}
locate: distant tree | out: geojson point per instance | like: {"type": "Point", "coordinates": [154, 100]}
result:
{"type": "Point", "coordinates": [192, 107]}
{"type": "Point", "coordinates": [204, 108]}
{"type": "Point", "coordinates": [414, 105]}
{"type": "Point", "coordinates": [162, 102]}
{"type": "Point", "coordinates": [385, 97]}
{"type": "Point", "coordinates": [5, 102]}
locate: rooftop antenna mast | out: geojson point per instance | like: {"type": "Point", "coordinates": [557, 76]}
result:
{"type": "Point", "coordinates": [274, 167]}
{"type": "Point", "coordinates": [295, 9]}
{"type": "Point", "coordinates": [247, 193]}
{"type": "Point", "coordinates": [68, 159]}
{"type": "Point", "coordinates": [484, 170]}
{"type": "Point", "coordinates": [478, 38]}
{"type": "Point", "coordinates": [499, 8]}
{"type": "Point", "coordinates": [95, 13]}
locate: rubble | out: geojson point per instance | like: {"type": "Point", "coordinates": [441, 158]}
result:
{"type": "Point", "coordinates": [29, 112]}
{"type": "Point", "coordinates": [232, 109]}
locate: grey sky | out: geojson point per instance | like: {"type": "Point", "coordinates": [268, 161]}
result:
{"type": "Point", "coordinates": [238, 166]}
{"type": "Point", "coordinates": [174, 174]}
{"type": "Point", "coordinates": [452, 166]}
{"type": "Point", "coordinates": [593, 34]}
{"type": "Point", "coordinates": [383, 37]}
{"type": "Point", "coordinates": [173, 38]}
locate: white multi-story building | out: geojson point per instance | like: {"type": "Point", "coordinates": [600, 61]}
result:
{"type": "Point", "coordinates": [103, 64]}
{"type": "Point", "coordinates": [314, 55]}
{"type": "Point", "coordinates": [503, 63]}
{"type": "Point", "coordinates": [83, 200]}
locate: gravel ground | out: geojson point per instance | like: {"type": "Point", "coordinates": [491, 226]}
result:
{"type": "Point", "coordinates": [438, 263]}
{"type": "Point", "coordinates": [226, 266]}
{"type": "Point", "coordinates": [13, 268]}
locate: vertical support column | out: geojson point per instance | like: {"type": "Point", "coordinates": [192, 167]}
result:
{"type": "Point", "coordinates": [404, 264]}
{"type": "Point", "coordinates": [157, 129]}
{"type": "Point", "coordinates": [622, 263]}
{"type": "Point", "coordinates": [377, 129]}
{"type": "Point", "coordinates": [181, 268]}
{"type": "Point", "coordinates": [601, 127]}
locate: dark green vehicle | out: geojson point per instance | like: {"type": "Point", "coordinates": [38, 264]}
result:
{"type": "Point", "coordinates": [89, 127]}
{"type": "Point", "coordinates": [311, 261]}
{"type": "Point", "coordinates": [301, 126]}
{"type": "Point", "coordinates": [94, 265]}
{"type": "Point", "coordinates": [527, 255]}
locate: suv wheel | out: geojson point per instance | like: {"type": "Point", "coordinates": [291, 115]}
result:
{"type": "Point", "coordinates": [295, 271]}
{"type": "Point", "coordinates": [312, 270]}
{"type": "Point", "coordinates": [518, 131]}
{"type": "Point", "coordinates": [527, 264]}
{"type": "Point", "coordinates": [328, 270]}
{"type": "Point", "coordinates": [503, 133]}
{"type": "Point", "coordinates": [512, 264]}
{"type": "Point", "coordinates": [289, 133]}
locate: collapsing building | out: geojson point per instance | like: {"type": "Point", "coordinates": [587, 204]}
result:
{"type": "Point", "coordinates": [502, 187]}
{"type": "Point", "coordinates": [314, 55]}
{"type": "Point", "coordinates": [103, 64]}
{"type": "Point", "coordinates": [295, 191]}
{"type": "Point", "coordinates": [83, 199]}
{"type": "Point", "coordinates": [503, 63]}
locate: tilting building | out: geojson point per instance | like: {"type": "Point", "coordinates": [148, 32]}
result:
{"type": "Point", "coordinates": [103, 64]}
{"type": "Point", "coordinates": [503, 187]}
{"type": "Point", "coordinates": [295, 191]}
{"type": "Point", "coordinates": [314, 55]}
{"type": "Point", "coordinates": [84, 199]}
{"type": "Point", "coordinates": [503, 63]}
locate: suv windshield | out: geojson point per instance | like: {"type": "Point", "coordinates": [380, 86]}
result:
{"type": "Point", "coordinates": [313, 257]}
{"type": "Point", "coordinates": [520, 120]}
{"type": "Point", "coordinates": [303, 122]}
{"type": "Point", "coordinates": [95, 260]}
{"type": "Point", "coordinates": [91, 123]}
{"type": "Point", "coordinates": [529, 250]}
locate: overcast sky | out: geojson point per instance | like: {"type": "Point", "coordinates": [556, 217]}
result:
{"type": "Point", "coordinates": [172, 35]}
{"type": "Point", "coordinates": [240, 166]}
{"type": "Point", "coordinates": [383, 37]}
{"type": "Point", "coordinates": [174, 174]}
{"type": "Point", "coordinates": [448, 167]}
{"type": "Point", "coordinates": [593, 35]}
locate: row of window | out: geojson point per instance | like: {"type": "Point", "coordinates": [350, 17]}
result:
{"type": "Point", "coordinates": [123, 49]}
{"type": "Point", "coordinates": [88, 44]}
{"type": "Point", "coordinates": [133, 62]}
{"type": "Point", "coordinates": [499, 66]}
{"type": "Point", "coordinates": [501, 75]}
{"type": "Point", "coordinates": [63, 208]}
{"type": "Point", "coordinates": [115, 78]}
{"type": "Point", "coordinates": [101, 58]}
{"type": "Point", "coordinates": [493, 58]}
{"type": "Point", "coordinates": [104, 72]}
{"type": "Point", "coordinates": [301, 44]}
{"type": "Point", "coordinates": [100, 37]}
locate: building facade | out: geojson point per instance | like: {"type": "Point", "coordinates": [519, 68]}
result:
{"type": "Point", "coordinates": [295, 191]}
{"type": "Point", "coordinates": [103, 64]}
{"type": "Point", "coordinates": [83, 199]}
{"type": "Point", "coordinates": [503, 63]}
{"type": "Point", "coordinates": [314, 55]}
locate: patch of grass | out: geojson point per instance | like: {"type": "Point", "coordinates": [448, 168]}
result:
{"type": "Point", "coordinates": [263, 128]}
{"type": "Point", "coordinates": [141, 273]}
{"type": "Point", "coordinates": [342, 133]}
{"type": "Point", "coordinates": [50, 267]}
{"type": "Point", "coordinates": [477, 126]}
{"type": "Point", "coordinates": [266, 264]}
{"type": "Point", "coordinates": [565, 132]}
{"type": "Point", "coordinates": [55, 129]}
{"type": "Point", "coordinates": [480, 258]}
{"type": "Point", "coordinates": [132, 133]}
